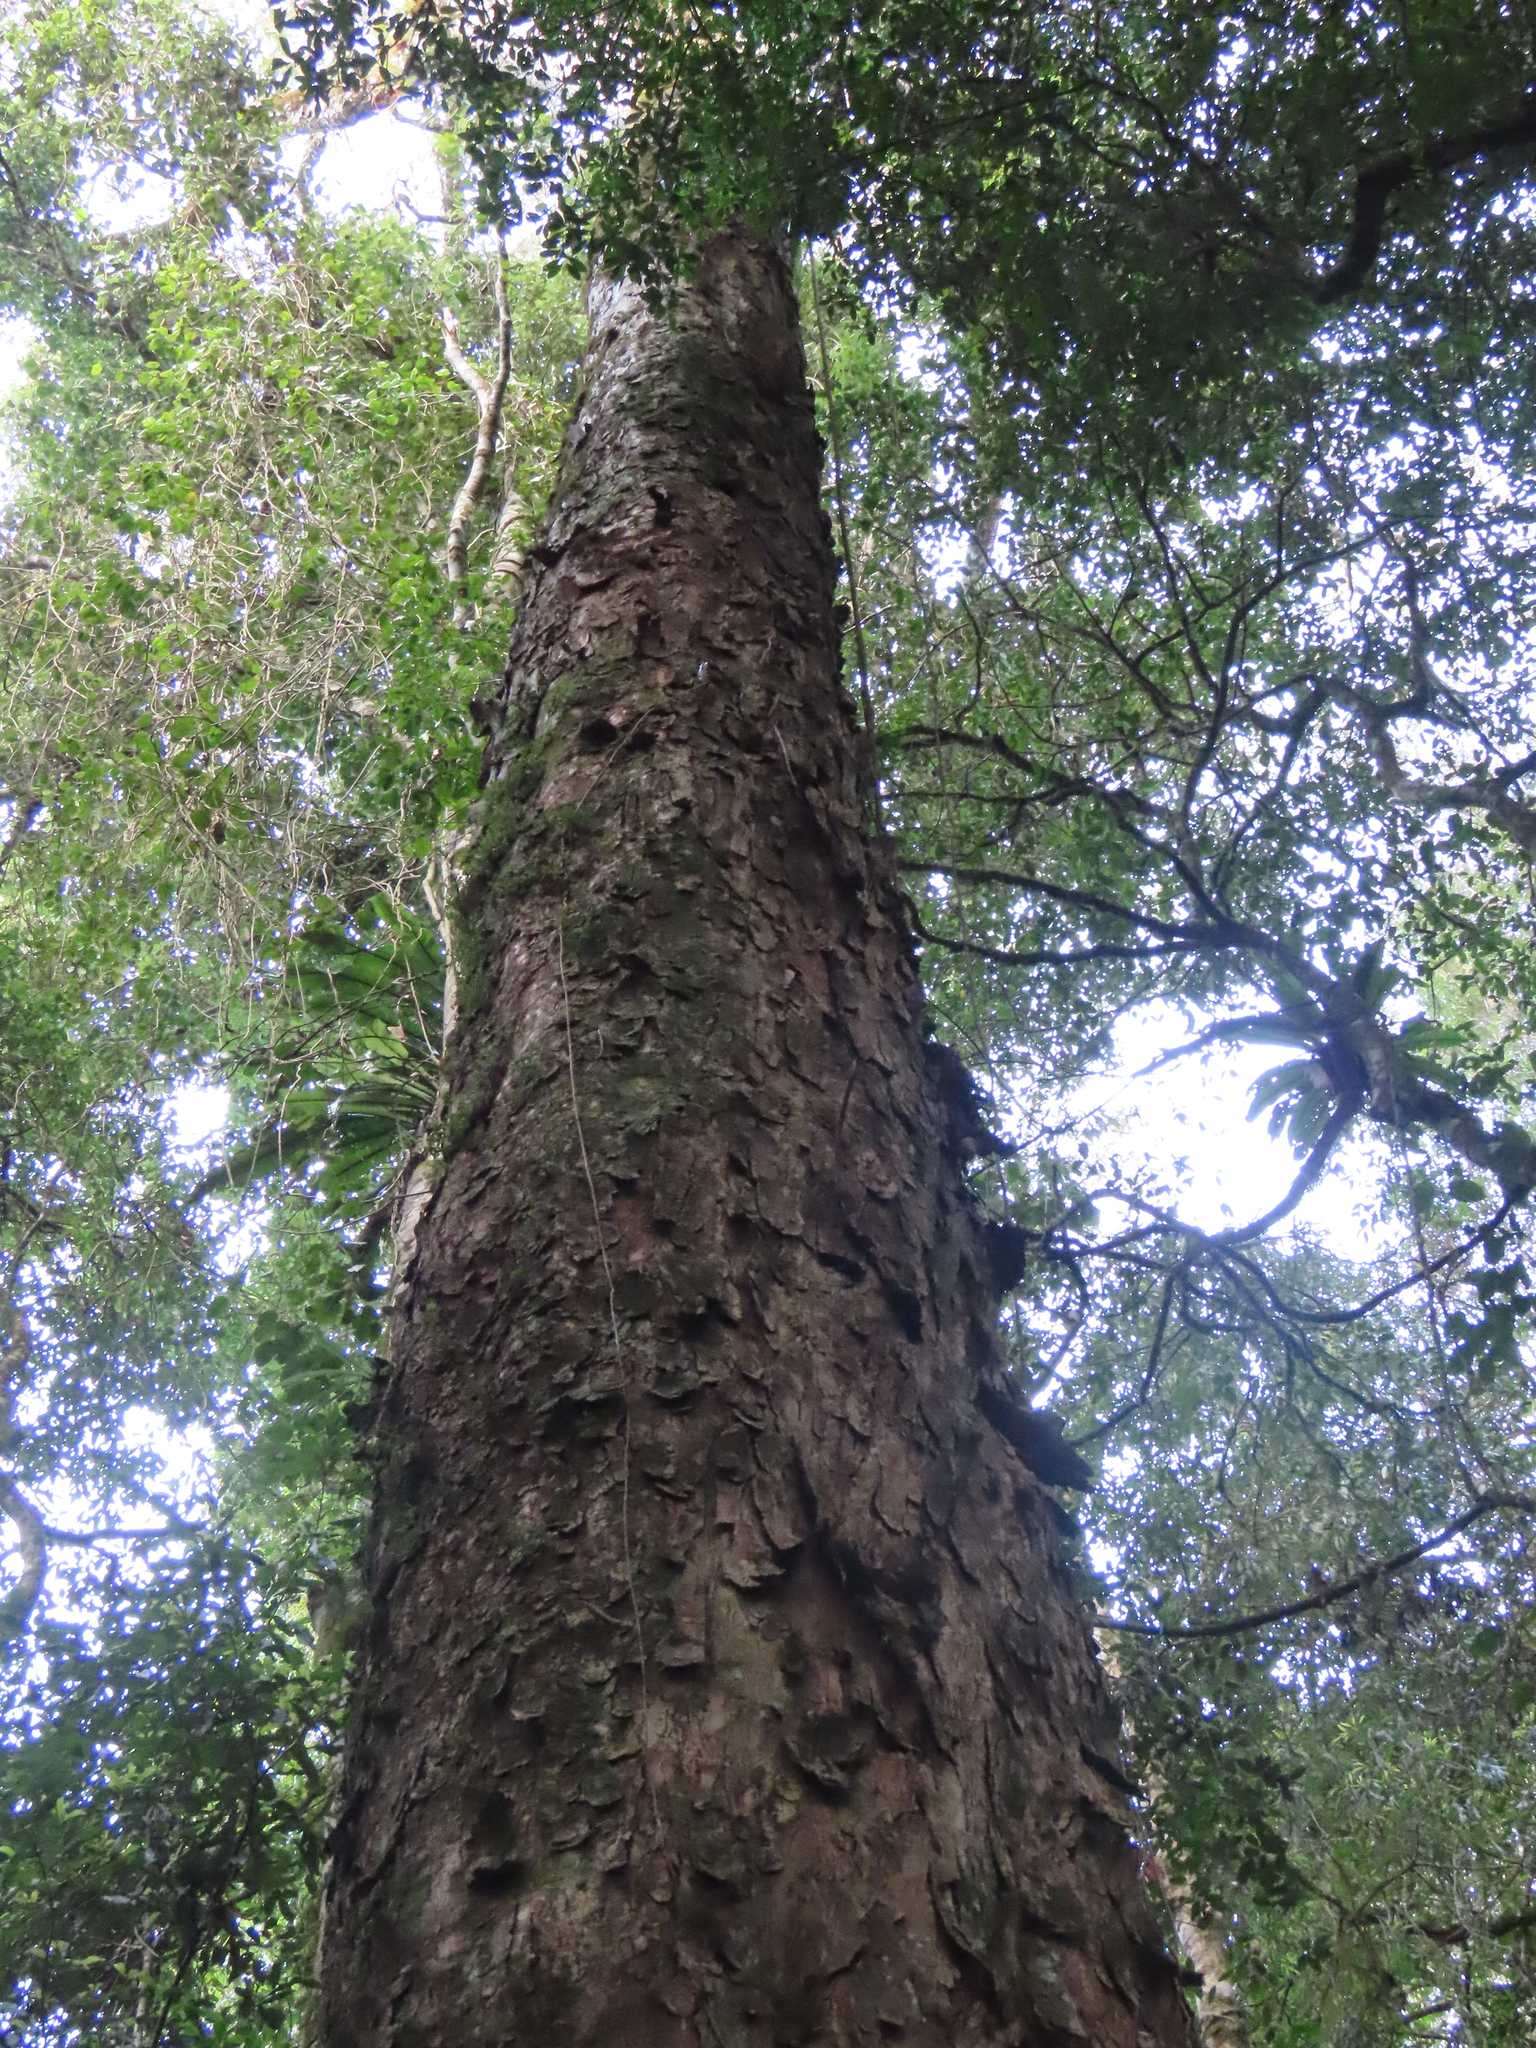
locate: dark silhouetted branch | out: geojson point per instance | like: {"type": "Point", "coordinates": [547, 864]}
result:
{"type": "Point", "coordinates": [1329, 1595]}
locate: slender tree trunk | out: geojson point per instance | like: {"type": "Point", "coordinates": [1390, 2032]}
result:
{"type": "Point", "coordinates": [1220, 2018]}
{"type": "Point", "coordinates": [722, 1685]}
{"type": "Point", "coordinates": [1219, 2010]}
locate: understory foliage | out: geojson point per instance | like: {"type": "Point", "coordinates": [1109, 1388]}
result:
{"type": "Point", "coordinates": [234, 741]}
{"type": "Point", "coordinates": [1176, 389]}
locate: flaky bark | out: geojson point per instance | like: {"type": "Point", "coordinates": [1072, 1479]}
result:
{"type": "Point", "coordinates": [722, 1685]}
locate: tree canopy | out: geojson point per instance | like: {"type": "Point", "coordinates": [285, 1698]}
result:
{"type": "Point", "coordinates": [1174, 370]}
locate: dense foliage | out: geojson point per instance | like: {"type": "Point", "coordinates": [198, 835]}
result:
{"type": "Point", "coordinates": [229, 761]}
{"type": "Point", "coordinates": [1174, 374]}
{"type": "Point", "coordinates": [1242, 757]}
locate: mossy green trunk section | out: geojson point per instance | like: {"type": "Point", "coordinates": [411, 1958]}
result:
{"type": "Point", "coordinates": [721, 1689]}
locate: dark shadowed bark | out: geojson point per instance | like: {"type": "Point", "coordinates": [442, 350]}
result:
{"type": "Point", "coordinates": [722, 1684]}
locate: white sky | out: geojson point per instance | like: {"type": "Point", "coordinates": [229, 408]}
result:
{"type": "Point", "coordinates": [1196, 1110]}
{"type": "Point", "coordinates": [381, 162]}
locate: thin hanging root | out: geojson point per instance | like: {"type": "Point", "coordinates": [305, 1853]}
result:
{"type": "Point", "coordinates": [623, 1369]}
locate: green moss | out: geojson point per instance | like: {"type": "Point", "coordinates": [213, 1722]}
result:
{"type": "Point", "coordinates": [518, 850]}
{"type": "Point", "coordinates": [525, 1540]}
{"type": "Point", "coordinates": [475, 1085]}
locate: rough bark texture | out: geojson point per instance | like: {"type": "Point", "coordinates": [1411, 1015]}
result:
{"type": "Point", "coordinates": [723, 1685]}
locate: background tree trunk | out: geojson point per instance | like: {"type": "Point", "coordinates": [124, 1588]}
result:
{"type": "Point", "coordinates": [722, 1685]}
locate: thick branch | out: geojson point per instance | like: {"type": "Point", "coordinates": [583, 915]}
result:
{"type": "Point", "coordinates": [14, 1360]}
{"type": "Point", "coordinates": [1349, 1033]}
{"type": "Point", "coordinates": [1487, 793]}
{"type": "Point", "coordinates": [1398, 1100]}
{"type": "Point", "coordinates": [304, 116]}
{"type": "Point", "coordinates": [1459, 1933]}
{"type": "Point", "coordinates": [1376, 183]}
{"type": "Point", "coordinates": [1368, 1067]}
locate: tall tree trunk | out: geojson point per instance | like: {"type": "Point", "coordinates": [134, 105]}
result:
{"type": "Point", "coordinates": [722, 1685]}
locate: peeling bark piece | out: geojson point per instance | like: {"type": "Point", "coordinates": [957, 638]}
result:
{"type": "Point", "coordinates": [791, 1771]}
{"type": "Point", "coordinates": [1035, 1436]}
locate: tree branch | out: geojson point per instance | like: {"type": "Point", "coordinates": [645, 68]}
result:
{"type": "Point", "coordinates": [302, 115]}
{"type": "Point", "coordinates": [175, 1532]}
{"type": "Point", "coordinates": [1005, 956]}
{"type": "Point", "coordinates": [31, 1541]}
{"type": "Point", "coordinates": [489, 394]}
{"type": "Point", "coordinates": [1459, 1933]}
{"type": "Point", "coordinates": [1327, 1596]}
{"type": "Point", "coordinates": [1487, 793]}
{"type": "Point", "coordinates": [1376, 183]}
{"type": "Point", "coordinates": [1339, 1122]}
{"type": "Point", "coordinates": [1054, 788]}
{"type": "Point", "coordinates": [1209, 934]}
